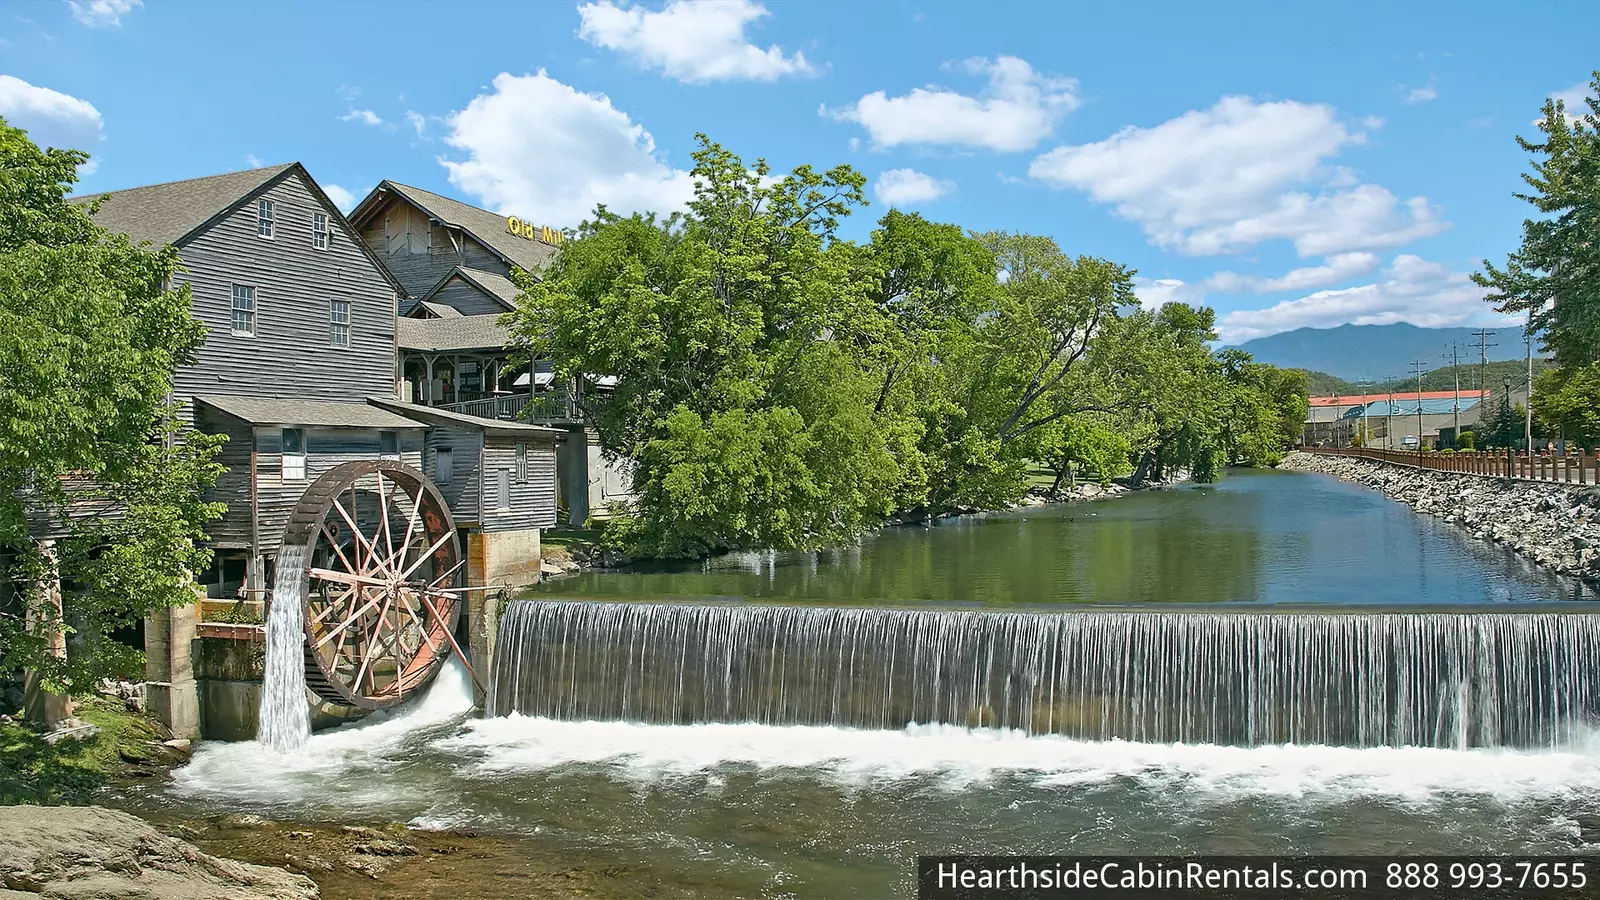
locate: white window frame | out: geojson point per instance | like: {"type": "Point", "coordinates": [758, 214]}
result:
{"type": "Point", "coordinates": [339, 331]}
{"type": "Point", "coordinates": [522, 463]}
{"type": "Point", "coordinates": [246, 292]}
{"type": "Point", "coordinates": [502, 493]}
{"type": "Point", "coordinates": [294, 464]}
{"type": "Point", "coordinates": [324, 233]}
{"type": "Point", "coordinates": [266, 218]}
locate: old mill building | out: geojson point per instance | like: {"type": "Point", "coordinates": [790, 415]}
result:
{"type": "Point", "coordinates": [308, 369]}
{"type": "Point", "coordinates": [454, 263]}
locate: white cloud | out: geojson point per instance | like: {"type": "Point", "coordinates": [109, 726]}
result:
{"type": "Point", "coordinates": [1155, 292]}
{"type": "Point", "coordinates": [1015, 111]}
{"type": "Point", "coordinates": [545, 151]}
{"type": "Point", "coordinates": [344, 198]}
{"type": "Point", "coordinates": [1573, 101]}
{"type": "Point", "coordinates": [348, 91]}
{"type": "Point", "coordinates": [1225, 179]}
{"type": "Point", "coordinates": [1334, 269]}
{"type": "Point", "coordinates": [1429, 91]}
{"type": "Point", "coordinates": [102, 13]}
{"type": "Point", "coordinates": [1412, 290]}
{"type": "Point", "coordinates": [51, 118]}
{"type": "Point", "coordinates": [417, 121]}
{"type": "Point", "coordinates": [908, 187]}
{"type": "Point", "coordinates": [364, 116]}
{"type": "Point", "coordinates": [694, 41]}
{"type": "Point", "coordinates": [254, 161]}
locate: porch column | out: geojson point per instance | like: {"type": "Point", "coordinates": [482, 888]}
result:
{"type": "Point", "coordinates": [429, 391]}
{"type": "Point", "coordinates": [44, 620]}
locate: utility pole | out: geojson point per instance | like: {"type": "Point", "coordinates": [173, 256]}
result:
{"type": "Point", "coordinates": [1417, 368]}
{"type": "Point", "coordinates": [1483, 335]}
{"type": "Point", "coordinates": [1388, 417]}
{"type": "Point", "coordinates": [1366, 430]}
{"type": "Point", "coordinates": [1455, 367]}
{"type": "Point", "coordinates": [1528, 432]}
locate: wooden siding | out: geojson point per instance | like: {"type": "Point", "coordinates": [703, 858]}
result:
{"type": "Point", "coordinates": [290, 354]}
{"type": "Point", "coordinates": [325, 448]}
{"type": "Point", "coordinates": [533, 502]}
{"type": "Point", "coordinates": [420, 253]}
{"type": "Point", "coordinates": [233, 485]}
{"type": "Point", "coordinates": [462, 491]}
{"type": "Point", "coordinates": [468, 298]}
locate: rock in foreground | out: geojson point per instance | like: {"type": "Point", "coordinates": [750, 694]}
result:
{"type": "Point", "coordinates": [89, 852]}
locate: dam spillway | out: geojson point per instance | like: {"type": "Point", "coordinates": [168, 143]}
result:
{"type": "Point", "coordinates": [1350, 679]}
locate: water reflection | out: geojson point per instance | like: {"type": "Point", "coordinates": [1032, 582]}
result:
{"type": "Point", "coordinates": [1255, 537]}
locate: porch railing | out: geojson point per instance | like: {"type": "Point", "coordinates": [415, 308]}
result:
{"type": "Point", "coordinates": [545, 406]}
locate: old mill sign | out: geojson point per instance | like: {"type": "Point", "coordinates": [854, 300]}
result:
{"type": "Point", "coordinates": [532, 232]}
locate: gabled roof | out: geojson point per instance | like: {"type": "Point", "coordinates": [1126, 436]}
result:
{"type": "Point", "coordinates": [438, 310]}
{"type": "Point", "coordinates": [176, 211]}
{"type": "Point", "coordinates": [169, 213]}
{"type": "Point", "coordinates": [494, 284]}
{"type": "Point", "coordinates": [488, 228]}
{"type": "Point", "coordinates": [431, 414]}
{"type": "Point", "coordinates": [459, 333]}
{"type": "Point", "coordinates": [274, 411]}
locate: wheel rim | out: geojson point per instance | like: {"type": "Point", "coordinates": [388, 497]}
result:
{"type": "Point", "coordinates": [379, 591]}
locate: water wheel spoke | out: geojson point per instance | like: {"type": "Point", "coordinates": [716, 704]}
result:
{"type": "Point", "coordinates": [427, 555]}
{"type": "Point", "coordinates": [355, 532]}
{"type": "Point", "coordinates": [373, 638]}
{"type": "Point", "coordinates": [451, 638]}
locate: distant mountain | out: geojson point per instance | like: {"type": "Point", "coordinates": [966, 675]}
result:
{"type": "Point", "coordinates": [1375, 352]}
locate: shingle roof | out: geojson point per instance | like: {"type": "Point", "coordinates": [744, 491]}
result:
{"type": "Point", "coordinates": [272, 411]}
{"type": "Point", "coordinates": [492, 282]}
{"type": "Point", "coordinates": [460, 333]}
{"type": "Point", "coordinates": [488, 227]}
{"type": "Point", "coordinates": [439, 310]}
{"type": "Point", "coordinates": [166, 213]}
{"type": "Point", "coordinates": [432, 414]}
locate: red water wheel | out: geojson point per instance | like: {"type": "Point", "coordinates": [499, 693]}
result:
{"type": "Point", "coordinates": [382, 582]}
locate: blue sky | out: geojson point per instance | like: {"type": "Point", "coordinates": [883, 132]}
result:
{"type": "Point", "coordinates": [1287, 164]}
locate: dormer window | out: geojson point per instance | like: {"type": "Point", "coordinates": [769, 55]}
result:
{"type": "Point", "coordinates": [264, 217]}
{"type": "Point", "coordinates": [319, 230]}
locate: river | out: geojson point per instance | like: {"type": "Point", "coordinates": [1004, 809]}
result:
{"type": "Point", "coordinates": [748, 779]}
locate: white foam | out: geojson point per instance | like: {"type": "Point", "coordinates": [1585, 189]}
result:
{"type": "Point", "coordinates": [958, 757]}
{"type": "Point", "coordinates": [251, 771]}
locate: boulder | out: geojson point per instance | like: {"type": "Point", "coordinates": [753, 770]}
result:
{"type": "Point", "coordinates": [90, 853]}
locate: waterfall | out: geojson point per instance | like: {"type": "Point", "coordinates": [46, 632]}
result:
{"type": "Point", "coordinates": [1241, 679]}
{"type": "Point", "coordinates": [285, 722]}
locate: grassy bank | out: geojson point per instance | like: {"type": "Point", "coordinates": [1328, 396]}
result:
{"type": "Point", "coordinates": [70, 771]}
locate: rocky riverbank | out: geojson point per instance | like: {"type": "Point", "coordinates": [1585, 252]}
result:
{"type": "Point", "coordinates": [1554, 525]}
{"type": "Point", "coordinates": [91, 853]}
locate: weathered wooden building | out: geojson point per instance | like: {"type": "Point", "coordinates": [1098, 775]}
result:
{"type": "Point", "coordinates": [299, 371]}
{"type": "Point", "coordinates": [456, 261]}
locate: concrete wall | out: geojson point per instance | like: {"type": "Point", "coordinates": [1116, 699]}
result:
{"type": "Point", "coordinates": [171, 693]}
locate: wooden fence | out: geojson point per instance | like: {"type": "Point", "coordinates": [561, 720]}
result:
{"type": "Point", "coordinates": [1574, 468]}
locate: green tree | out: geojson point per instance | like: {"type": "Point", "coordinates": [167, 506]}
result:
{"type": "Point", "coordinates": [1567, 402]}
{"type": "Point", "coordinates": [740, 389]}
{"type": "Point", "coordinates": [1554, 276]}
{"type": "Point", "coordinates": [89, 452]}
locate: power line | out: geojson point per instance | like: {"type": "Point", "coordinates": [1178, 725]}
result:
{"type": "Point", "coordinates": [1418, 367]}
{"type": "Point", "coordinates": [1483, 335]}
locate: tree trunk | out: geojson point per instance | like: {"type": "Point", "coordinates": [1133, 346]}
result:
{"type": "Point", "coordinates": [44, 620]}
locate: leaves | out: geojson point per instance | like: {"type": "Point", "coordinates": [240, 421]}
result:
{"type": "Point", "coordinates": [780, 387]}
{"type": "Point", "coordinates": [89, 441]}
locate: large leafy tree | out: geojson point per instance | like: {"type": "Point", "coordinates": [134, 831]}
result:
{"type": "Point", "coordinates": [1567, 402]}
{"type": "Point", "coordinates": [739, 391]}
{"type": "Point", "coordinates": [90, 333]}
{"type": "Point", "coordinates": [1554, 276]}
